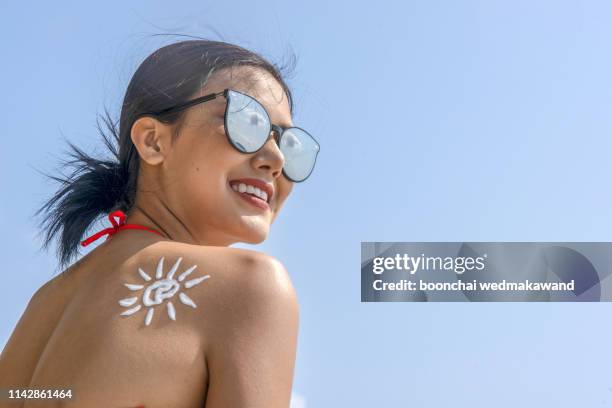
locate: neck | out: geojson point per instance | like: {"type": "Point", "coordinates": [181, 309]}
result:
{"type": "Point", "coordinates": [157, 215]}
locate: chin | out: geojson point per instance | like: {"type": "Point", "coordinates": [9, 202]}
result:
{"type": "Point", "coordinates": [255, 235]}
{"type": "Point", "coordinates": [256, 238]}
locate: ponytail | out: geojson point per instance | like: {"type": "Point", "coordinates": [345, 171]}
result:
{"type": "Point", "coordinates": [94, 187]}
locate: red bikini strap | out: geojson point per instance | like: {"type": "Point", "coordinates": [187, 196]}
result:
{"type": "Point", "coordinates": [117, 226]}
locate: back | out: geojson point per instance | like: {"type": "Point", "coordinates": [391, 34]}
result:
{"type": "Point", "coordinates": [133, 323]}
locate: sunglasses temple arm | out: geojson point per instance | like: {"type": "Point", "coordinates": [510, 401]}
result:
{"type": "Point", "coordinates": [191, 103]}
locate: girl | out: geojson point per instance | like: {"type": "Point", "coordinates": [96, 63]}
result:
{"type": "Point", "coordinates": [164, 313]}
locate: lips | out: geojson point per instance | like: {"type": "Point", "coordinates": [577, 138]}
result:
{"type": "Point", "coordinates": [254, 200]}
{"type": "Point", "coordinates": [262, 185]}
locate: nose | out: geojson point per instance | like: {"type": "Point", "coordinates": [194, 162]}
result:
{"type": "Point", "coordinates": [269, 158]}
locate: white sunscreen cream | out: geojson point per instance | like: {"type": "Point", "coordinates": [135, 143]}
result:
{"type": "Point", "coordinates": [160, 290]}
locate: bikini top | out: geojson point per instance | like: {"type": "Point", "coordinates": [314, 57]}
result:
{"type": "Point", "coordinates": [117, 226]}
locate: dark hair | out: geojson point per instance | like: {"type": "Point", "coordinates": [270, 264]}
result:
{"type": "Point", "coordinates": [170, 75]}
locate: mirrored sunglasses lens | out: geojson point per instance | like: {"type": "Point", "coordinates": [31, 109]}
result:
{"type": "Point", "coordinates": [248, 125]}
{"type": "Point", "coordinates": [300, 151]}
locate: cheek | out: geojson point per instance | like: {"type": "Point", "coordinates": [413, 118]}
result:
{"type": "Point", "coordinates": [284, 190]}
{"type": "Point", "coordinates": [203, 168]}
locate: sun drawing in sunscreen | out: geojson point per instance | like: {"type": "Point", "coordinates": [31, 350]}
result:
{"type": "Point", "coordinates": [160, 290]}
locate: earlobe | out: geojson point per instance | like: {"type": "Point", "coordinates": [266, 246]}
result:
{"type": "Point", "coordinates": [147, 138]}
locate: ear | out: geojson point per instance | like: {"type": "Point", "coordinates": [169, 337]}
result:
{"type": "Point", "coordinates": [150, 137]}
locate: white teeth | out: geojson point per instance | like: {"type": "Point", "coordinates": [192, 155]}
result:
{"type": "Point", "coordinates": [257, 192]}
{"type": "Point", "coordinates": [244, 188]}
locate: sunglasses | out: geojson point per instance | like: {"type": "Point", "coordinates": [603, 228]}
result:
{"type": "Point", "coordinates": [248, 128]}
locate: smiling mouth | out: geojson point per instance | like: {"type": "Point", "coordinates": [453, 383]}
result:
{"type": "Point", "coordinates": [253, 197]}
{"type": "Point", "coordinates": [254, 186]}
{"type": "Point", "coordinates": [250, 190]}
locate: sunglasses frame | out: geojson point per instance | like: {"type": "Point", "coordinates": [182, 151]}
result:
{"type": "Point", "coordinates": [279, 130]}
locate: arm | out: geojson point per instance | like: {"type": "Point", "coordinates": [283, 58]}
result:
{"type": "Point", "coordinates": [251, 356]}
{"type": "Point", "coordinates": [20, 355]}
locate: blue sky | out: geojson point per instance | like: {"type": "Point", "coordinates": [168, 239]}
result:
{"type": "Point", "coordinates": [438, 121]}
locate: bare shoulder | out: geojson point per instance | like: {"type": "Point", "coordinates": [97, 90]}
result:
{"type": "Point", "coordinates": [238, 282]}
{"type": "Point", "coordinates": [242, 269]}
{"type": "Point", "coordinates": [249, 328]}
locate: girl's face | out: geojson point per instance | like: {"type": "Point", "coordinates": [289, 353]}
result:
{"type": "Point", "coordinates": [200, 166]}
